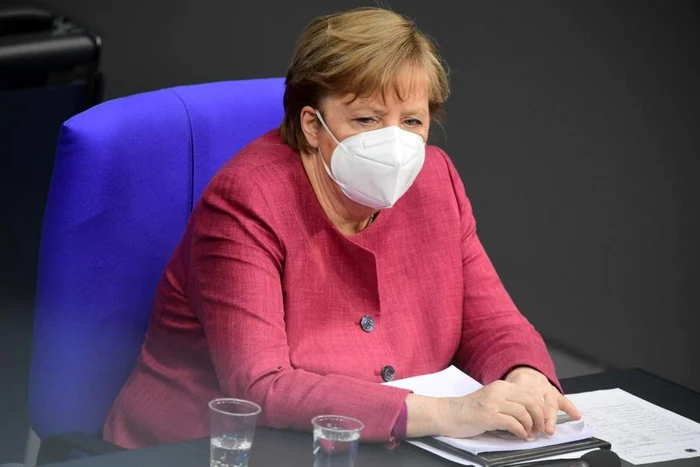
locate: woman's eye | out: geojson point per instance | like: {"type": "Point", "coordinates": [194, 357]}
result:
{"type": "Point", "coordinates": [413, 122]}
{"type": "Point", "coordinates": [365, 120]}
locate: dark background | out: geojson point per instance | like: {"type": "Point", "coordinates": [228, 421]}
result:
{"type": "Point", "coordinates": [575, 126]}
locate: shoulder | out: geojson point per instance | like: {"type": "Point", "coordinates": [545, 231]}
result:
{"type": "Point", "coordinates": [439, 175]}
{"type": "Point", "coordinates": [252, 196]}
{"type": "Point", "coordinates": [245, 199]}
{"type": "Point", "coordinates": [264, 156]}
{"type": "Point", "coordinates": [438, 189]}
{"type": "Point", "coordinates": [265, 168]}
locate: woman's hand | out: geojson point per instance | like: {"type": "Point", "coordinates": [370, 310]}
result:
{"type": "Point", "coordinates": [536, 383]}
{"type": "Point", "coordinates": [524, 404]}
{"type": "Point", "coordinates": [501, 405]}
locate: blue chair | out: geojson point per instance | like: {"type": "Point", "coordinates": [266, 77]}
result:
{"type": "Point", "coordinates": [126, 176]}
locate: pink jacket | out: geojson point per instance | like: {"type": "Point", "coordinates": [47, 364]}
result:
{"type": "Point", "coordinates": [264, 299]}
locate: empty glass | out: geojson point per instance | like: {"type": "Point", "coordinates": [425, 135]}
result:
{"type": "Point", "coordinates": [336, 439]}
{"type": "Point", "coordinates": [232, 423]}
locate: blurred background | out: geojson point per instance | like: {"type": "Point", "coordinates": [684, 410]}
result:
{"type": "Point", "coordinates": [574, 125]}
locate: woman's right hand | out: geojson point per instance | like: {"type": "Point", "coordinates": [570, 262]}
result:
{"type": "Point", "coordinates": [500, 405]}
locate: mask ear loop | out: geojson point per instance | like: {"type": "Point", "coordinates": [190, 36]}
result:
{"type": "Point", "coordinates": [323, 122]}
{"type": "Point", "coordinates": [320, 154]}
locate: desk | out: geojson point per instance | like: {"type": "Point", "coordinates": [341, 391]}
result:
{"type": "Point", "coordinates": [273, 448]}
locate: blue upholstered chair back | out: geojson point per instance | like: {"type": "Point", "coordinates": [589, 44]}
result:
{"type": "Point", "coordinates": [126, 177]}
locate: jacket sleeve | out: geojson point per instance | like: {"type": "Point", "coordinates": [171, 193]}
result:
{"type": "Point", "coordinates": [496, 337]}
{"type": "Point", "coordinates": [234, 285]}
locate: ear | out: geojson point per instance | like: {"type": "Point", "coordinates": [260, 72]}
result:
{"type": "Point", "coordinates": [310, 125]}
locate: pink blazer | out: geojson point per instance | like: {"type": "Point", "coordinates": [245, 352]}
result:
{"type": "Point", "coordinates": [264, 299]}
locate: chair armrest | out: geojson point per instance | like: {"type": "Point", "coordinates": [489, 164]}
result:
{"type": "Point", "coordinates": [59, 447]}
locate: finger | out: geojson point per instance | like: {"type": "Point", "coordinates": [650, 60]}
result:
{"type": "Point", "coordinates": [567, 406]}
{"type": "Point", "coordinates": [551, 410]}
{"type": "Point", "coordinates": [534, 406]}
{"type": "Point", "coordinates": [537, 393]}
{"type": "Point", "coordinates": [520, 413]}
{"type": "Point", "coordinates": [511, 424]}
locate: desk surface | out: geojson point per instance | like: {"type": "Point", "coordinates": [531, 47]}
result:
{"type": "Point", "coordinates": [291, 449]}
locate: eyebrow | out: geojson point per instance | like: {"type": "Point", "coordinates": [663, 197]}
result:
{"type": "Point", "coordinates": [381, 111]}
{"type": "Point", "coordinates": [368, 108]}
{"type": "Point", "coordinates": [420, 111]}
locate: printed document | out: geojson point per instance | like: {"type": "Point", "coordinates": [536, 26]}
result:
{"type": "Point", "coordinates": [639, 431]}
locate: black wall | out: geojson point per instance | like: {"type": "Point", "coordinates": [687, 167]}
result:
{"type": "Point", "coordinates": [574, 125]}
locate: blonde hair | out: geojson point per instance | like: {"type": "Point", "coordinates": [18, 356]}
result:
{"type": "Point", "coordinates": [360, 52]}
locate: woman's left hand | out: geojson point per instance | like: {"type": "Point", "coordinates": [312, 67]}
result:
{"type": "Point", "coordinates": [531, 381]}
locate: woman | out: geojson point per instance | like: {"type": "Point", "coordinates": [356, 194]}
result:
{"type": "Point", "coordinates": [335, 253]}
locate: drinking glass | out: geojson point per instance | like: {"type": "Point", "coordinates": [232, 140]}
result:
{"type": "Point", "coordinates": [232, 424]}
{"type": "Point", "coordinates": [336, 440]}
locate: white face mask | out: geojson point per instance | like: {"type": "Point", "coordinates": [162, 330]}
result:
{"type": "Point", "coordinates": [375, 168]}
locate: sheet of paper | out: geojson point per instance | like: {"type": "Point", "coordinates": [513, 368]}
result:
{"type": "Point", "coordinates": [450, 382]}
{"type": "Point", "coordinates": [504, 441]}
{"type": "Point", "coordinates": [640, 432]}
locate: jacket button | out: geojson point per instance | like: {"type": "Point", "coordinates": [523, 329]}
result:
{"type": "Point", "coordinates": [367, 323]}
{"type": "Point", "coordinates": [388, 373]}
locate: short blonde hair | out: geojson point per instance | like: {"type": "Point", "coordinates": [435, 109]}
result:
{"type": "Point", "coordinates": [360, 52]}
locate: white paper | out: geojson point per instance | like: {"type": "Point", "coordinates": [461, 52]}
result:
{"type": "Point", "coordinates": [504, 441]}
{"type": "Point", "coordinates": [640, 432]}
{"type": "Point", "coordinates": [452, 382]}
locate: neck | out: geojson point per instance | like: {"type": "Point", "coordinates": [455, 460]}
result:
{"type": "Point", "coordinates": [348, 216]}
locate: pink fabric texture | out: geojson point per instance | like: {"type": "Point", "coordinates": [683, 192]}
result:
{"type": "Point", "coordinates": [401, 424]}
{"type": "Point", "coordinates": [263, 299]}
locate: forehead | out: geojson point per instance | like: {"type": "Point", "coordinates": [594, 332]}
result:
{"type": "Point", "coordinates": [409, 88]}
